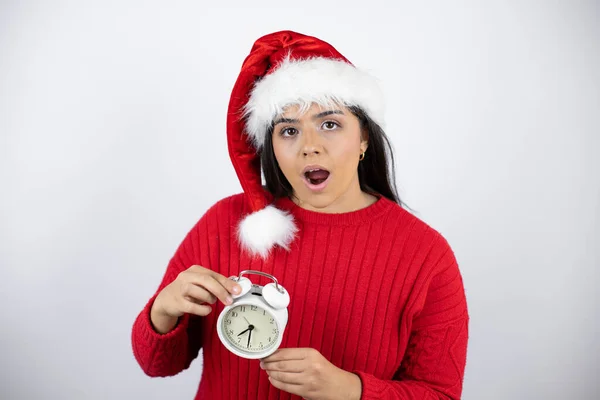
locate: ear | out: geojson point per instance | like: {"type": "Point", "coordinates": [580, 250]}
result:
{"type": "Point", "coordinates": [364, 143]}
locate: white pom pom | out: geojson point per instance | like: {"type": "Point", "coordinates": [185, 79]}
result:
{"type": "Point", "coordinates": [260, 231]}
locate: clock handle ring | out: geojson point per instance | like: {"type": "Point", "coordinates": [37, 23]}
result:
{"type": "Point", "coordinates": [279, 288]}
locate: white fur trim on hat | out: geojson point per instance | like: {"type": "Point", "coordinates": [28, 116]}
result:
{"type": "Point", "coordinates": [317, 80]}
{"type": "Point", "coordinates": [260, 231]}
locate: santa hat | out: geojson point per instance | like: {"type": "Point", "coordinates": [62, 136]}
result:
{"type": "Point", "coordinates": [282, 69]}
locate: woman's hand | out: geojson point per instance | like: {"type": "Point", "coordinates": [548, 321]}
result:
{"type": "Point", "coordinates": [307, 373]}
{"type": "Point", "coordinates": [191, 292]}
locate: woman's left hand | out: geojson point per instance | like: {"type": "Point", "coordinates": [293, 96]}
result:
{"type": "Point", "coordinates": [306, 373]}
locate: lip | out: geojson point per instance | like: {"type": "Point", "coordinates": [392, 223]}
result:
{"type": "Point", "coordinates": [315, 188]}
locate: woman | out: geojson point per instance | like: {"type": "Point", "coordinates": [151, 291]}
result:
{"type": "Point", "coordinates": [377, 309]}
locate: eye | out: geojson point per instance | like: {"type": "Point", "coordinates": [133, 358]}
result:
{"type": "Point", "coordinates": [330, 125]}
{"type": "Point", "coordinates": [288, 132]}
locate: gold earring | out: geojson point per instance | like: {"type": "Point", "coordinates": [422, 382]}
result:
{"type": "Point", "coordinates": [362, 156]}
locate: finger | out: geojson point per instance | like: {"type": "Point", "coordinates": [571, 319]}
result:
{"type": "Point", "coordinates": [191, 307]}
{"type": "Point", "coordinates": [288, 387]}
{"type": "Point", "coordinates": [229, 284]}
{"type": "Point", "coordinates": [291, 378]}
{"type": "Point", "coordinates": [209, 283]}
{"type": "Point", "coordinates": [284, 366]}
{"type": "Point", "coordinates": [198, 294]}
{"type": "Point", "coordinates": [287, 354]}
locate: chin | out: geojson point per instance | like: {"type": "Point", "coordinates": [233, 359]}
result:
{"type": "Point", "coordinates": [316, 200]}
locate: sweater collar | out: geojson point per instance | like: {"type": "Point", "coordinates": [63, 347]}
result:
{"type": "Point", "coordinates": [366, 214]}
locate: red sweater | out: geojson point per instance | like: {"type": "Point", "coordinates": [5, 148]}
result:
{"type": "Point", "coordinates": [377, 291]}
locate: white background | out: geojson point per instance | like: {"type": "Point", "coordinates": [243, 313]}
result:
{"type": "Point", "coordinates": [112, 145]}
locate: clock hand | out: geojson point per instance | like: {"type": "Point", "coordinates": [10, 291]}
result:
{"type": "Point", "coordinates": [241, 333]}
{"type": "Point", "coordinates": [247, 321]}
{"type": "Point", "coordinates": [251, 328]}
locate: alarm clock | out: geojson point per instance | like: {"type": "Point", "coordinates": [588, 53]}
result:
{"type": "Point", "coordinates": [252, 326]}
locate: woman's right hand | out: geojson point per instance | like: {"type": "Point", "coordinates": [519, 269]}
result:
{"type": "Point", "coordinates": [192, 292]}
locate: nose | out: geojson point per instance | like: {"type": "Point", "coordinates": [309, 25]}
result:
{"type": "Point", "coordinates": [311, 144]}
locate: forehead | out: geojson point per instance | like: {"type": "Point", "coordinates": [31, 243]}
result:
{"type": "Point", "coordinates": [298, 110]}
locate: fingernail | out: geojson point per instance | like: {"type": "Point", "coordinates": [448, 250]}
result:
{"type": "Point", "coordinates": [236, 289]}
{"type": "Point", "coordinates": [229, 300]}
{"type": "Point", "coordinates": [262, 365]}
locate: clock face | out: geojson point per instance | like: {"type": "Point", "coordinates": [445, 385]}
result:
{"type": "Point", "coordinates": [250, 328]}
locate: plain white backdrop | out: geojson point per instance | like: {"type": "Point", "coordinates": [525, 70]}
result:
{"type": "Point", "coordinates": [112, 145]}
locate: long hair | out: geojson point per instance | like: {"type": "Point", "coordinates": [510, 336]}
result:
{"type": "Point", "coordinates": [376, 172]}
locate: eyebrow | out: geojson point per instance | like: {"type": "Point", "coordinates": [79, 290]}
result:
{"type": "Point", "coordinates": [317, 116]}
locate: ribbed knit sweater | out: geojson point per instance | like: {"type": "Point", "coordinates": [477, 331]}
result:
{"type": "Point", "coordinates": [376, 291]}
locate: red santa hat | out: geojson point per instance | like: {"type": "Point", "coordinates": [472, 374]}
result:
{"type": "Point", "coordinates": [285, 68]}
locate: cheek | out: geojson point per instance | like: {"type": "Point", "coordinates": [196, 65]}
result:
{"type": "Point", "coordinates": [285, 156]}
{"type": "Point", "coordinates": [345, 153]}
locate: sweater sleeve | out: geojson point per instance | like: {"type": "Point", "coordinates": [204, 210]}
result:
{"type": "Point", "coordinates": [170, 353]}
{"type": "Point", "coordinates": [433, 364]}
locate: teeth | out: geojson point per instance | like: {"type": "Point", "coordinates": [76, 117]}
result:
{"type": "Point", "coordinates": [308, 171]}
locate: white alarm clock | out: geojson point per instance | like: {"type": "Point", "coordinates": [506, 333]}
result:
{"type": "Point", "coordinates": [253, 325]}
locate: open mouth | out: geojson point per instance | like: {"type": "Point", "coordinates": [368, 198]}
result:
{"type": "Point", "coordinates": [316, 176]}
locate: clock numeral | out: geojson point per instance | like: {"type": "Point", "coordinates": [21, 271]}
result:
{"type": "Point", "coordinates": [242, 308]}
{"type": "Point", "coordinates": [274, 330]}
{"type": "Point", "coordinates": [261, 345]}
{"type": "Point", "coordinates": [253, 308]}
{"type": "Point", "coordinates": [264, 312]}
{"type": "Point", "coordinates": [271, 321]}
{"type": "Point", "coordinates": [239, 339]}
{"type": "Point", "coordinates": [228, 322]}
{"type": "Point", "coordinates": [269, 338]}
{"type": "Point", "coordinates": [234, 314]}
{"type": "Point", "coordinates": [231, 331]}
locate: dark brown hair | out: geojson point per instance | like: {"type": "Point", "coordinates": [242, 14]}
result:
{"type": "Point", "coordinates": [375, 172]}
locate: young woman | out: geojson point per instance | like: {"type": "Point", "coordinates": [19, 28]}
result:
{"type": "Point", "coordinates": [377, 309]}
